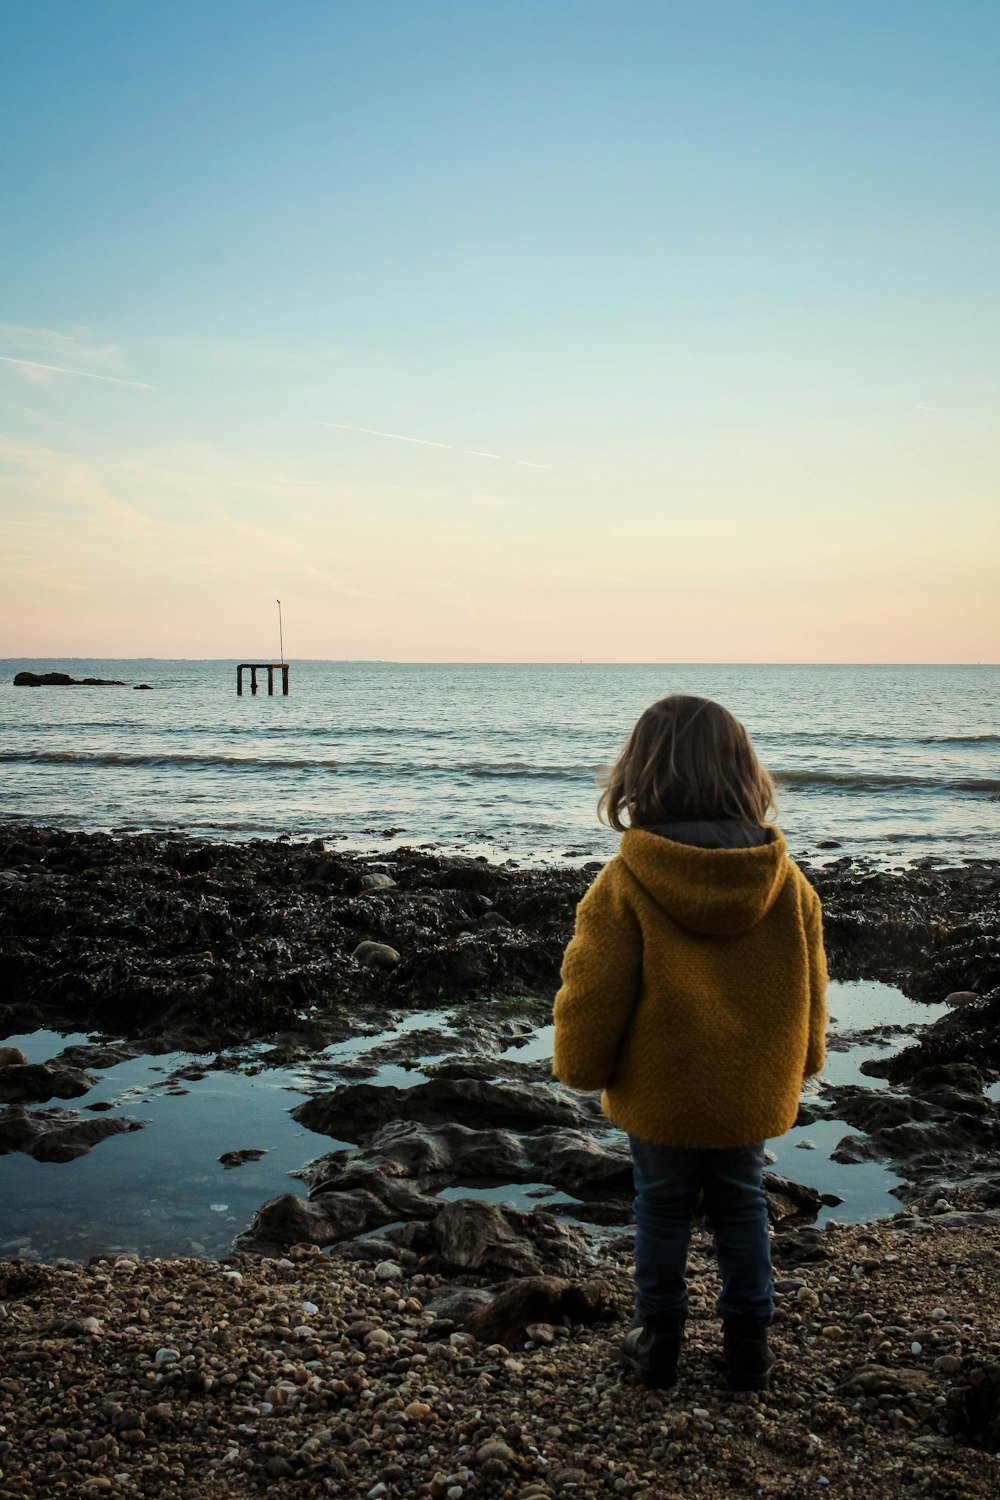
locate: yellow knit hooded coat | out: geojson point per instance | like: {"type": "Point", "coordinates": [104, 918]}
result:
{"type": "Point", "coordinates": [693, 991]}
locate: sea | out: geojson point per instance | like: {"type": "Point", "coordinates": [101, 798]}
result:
{"type": "Point", "coordinates": [893, 763]}
{"type": "Point", "coordinates": [896, 763]}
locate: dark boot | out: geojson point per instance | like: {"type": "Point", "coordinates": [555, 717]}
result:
{"type": "Point", "coordinates": [745, 1354]}
{"type": "Point", "coordinates": [652, 1348]}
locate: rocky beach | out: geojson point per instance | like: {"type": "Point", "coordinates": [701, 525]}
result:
{"type": "Point", "coordinates": [386, 1335]}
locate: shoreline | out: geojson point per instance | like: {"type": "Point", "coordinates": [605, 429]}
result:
{"type": "Point", "coordinates": [359, 1370]}
{"type": "Point", "coordinates": [175, 944]}
{"type": "Point", "coordinates": [165, 944]}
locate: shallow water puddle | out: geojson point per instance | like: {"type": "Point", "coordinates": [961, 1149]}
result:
{"type": "Point", "coordinates": [162, 1190]}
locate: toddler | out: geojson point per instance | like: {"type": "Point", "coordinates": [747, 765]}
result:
{"type": "Point", "coordinates": [693, 995]}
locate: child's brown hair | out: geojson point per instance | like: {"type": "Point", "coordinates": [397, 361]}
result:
{"type": "Point", "coordinates": [687, 759]}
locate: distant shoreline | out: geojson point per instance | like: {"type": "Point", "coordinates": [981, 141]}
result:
{"type": "Point", "coordinates": [391, 661]}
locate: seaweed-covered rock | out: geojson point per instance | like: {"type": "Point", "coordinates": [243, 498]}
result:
{"type": "Point", "coordinates": [214, 943]}
{"type": "Point", "coordinates": [529, 1300]}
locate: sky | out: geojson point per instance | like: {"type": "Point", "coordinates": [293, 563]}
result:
{"type": "Point", "coordinates": [500, 330]}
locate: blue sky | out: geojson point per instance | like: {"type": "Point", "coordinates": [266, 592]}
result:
{"type": "Point", "coordinates": [700, 297]}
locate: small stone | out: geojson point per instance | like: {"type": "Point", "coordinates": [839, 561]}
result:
{"type": "Point", "coordinates": [279, 1468]}
{"type": "Point", "coordinates": [419, 1411]}
{"type": "Point", "coordinates": [166, 1356]}
{"type": "Point", "coordinates": [388, 1270]}
{"type": "Point", "coordinates": [376, 955]}
{"type": "Point", "coordinates": [494, 1448]}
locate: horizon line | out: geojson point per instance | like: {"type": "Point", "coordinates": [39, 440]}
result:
{"type": "Point", "coordinates": [441, 661]}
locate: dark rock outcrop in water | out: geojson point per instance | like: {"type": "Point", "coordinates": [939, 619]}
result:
{"type": "Point", "coordinates": [56, 1135]}
{"type": "Point", "coordinates": [61, 679]}
{"type": "Point", "coordinates": [23, 1083]}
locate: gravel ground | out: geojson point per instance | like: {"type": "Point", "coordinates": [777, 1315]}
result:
{"type": "Point", "coordinates": [319, 1375]}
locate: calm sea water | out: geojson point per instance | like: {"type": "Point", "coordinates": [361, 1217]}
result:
{"type": "Point", "coordinates": [892, 761]}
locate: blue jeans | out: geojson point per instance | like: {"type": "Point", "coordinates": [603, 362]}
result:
{"type": "Point", "coordinates": [669, 1181]}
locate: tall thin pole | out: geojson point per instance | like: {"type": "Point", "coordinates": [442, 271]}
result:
{"type": "Point", "coordinates": [281, 637]}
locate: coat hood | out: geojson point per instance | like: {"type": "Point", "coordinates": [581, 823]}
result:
{"type": "Point", "coordinates": [714, 892]}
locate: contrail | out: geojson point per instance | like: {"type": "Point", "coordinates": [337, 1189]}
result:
{"type": "Point", "coordinates": [398, 437]}
{"type": "Point", "coordinates": [34, 364]}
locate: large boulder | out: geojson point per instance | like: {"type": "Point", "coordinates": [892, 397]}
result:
{"type": "Point", "coordinates": [576, 1161]}
{"type": "Point", "coordinates": [469, 1235]}
{"type": "Point", "coordinates": [285, 1221]}
{"type": "Point", "coordinates": [23, 1083]}
{"type": "Point", "coordinates": [356, 1110]}
{"type": "Point", "coordinates": [354, 1202]}
{"type": "Point", "coordinates": [57, 1134]}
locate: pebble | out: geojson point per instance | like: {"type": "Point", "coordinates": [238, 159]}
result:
{"type": "Point", "coordinates": [557, 1422]}
{"type": "Point", "coordinates": [494, 1449]}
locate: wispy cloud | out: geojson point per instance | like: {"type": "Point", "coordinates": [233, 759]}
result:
{"type": "Point", "coordinates": [34, 364]}
{"type": "Point", "coordinates": [399, 437]}
{"type": "Point", "coordinates": [75, 348]}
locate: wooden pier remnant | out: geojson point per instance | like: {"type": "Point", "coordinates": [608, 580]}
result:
{"type": "Point", "coordinates": [270, 667]}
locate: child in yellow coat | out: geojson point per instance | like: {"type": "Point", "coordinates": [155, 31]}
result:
{"type": "Point", "coordinates": [693, 996]}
